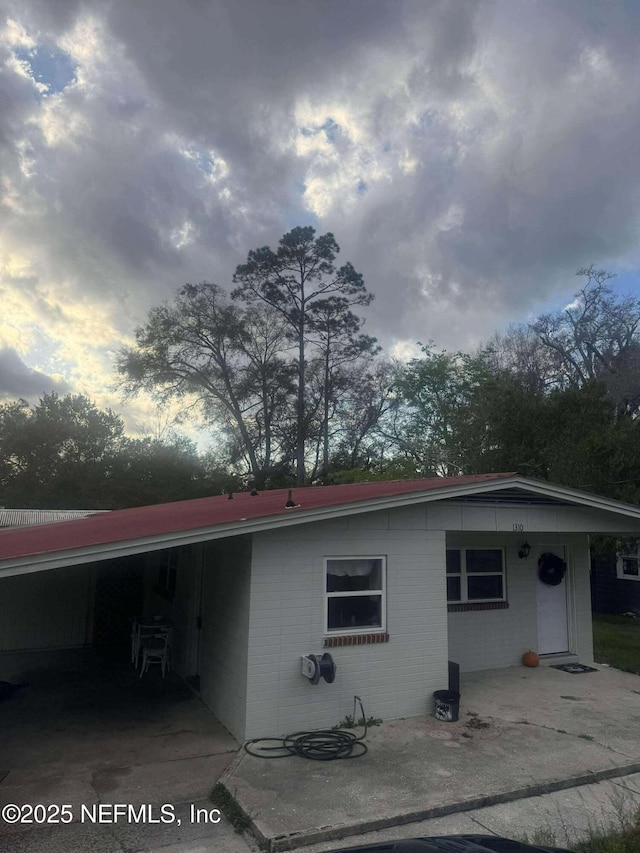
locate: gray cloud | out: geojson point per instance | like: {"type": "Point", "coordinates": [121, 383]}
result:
{"type": "Point", "coordinates": [18, 380]}
{"type": "Point", "coordinates": [468, 157]}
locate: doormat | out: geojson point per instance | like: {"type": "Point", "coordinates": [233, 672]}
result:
{"type": "Point", "coordinates": [573, 668]}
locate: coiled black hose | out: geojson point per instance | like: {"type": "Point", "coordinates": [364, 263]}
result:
{"type": "Point", "coordinates": [318, 745]}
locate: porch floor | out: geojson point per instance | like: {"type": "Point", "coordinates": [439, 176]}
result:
{"type": "Point", "coordinates": [522, 733]}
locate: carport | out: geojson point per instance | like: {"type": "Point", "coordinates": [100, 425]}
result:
{"type": "Point", "coordinates": [87, 729]}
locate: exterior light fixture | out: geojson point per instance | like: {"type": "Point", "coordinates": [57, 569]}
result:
{"type": "Point", "coordinates": [524, 551]}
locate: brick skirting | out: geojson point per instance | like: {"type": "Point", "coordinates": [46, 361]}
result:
{"type": "Point", "coordinates": [355, 640]}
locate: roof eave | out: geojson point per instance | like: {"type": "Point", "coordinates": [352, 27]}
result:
{"type": "Point", "coordinates": [295, 516]}
{"type": "Point", "coordinates": [576, 496]}
{"type": "Point", "coordinates": [300, 515]}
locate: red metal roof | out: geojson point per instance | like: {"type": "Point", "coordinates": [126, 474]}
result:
{"type": "Point", "coordinates": [128, 525]}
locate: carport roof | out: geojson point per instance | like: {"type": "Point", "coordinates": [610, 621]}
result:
{"type": "Point", "coordinates": [165, 525]}
{"type": "Point", "coordinates": [11, 518]}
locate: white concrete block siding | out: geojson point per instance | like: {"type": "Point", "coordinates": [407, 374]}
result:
{"type": "Point", "coordinates": [224, 638]}
{"type": "Point", "coordinates": [46, 610]}
{"type": "Point", "coordinates": [398, 678]}
{"type": "Point", "coordinates": [489, 639]}
{"type": "Point", "coordinates": [498, 638]}
{"type": "Point", "coordinates": [393, 679]}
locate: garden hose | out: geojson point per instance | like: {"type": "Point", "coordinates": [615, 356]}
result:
{"type": "Point", "coordinates": [318, 745]}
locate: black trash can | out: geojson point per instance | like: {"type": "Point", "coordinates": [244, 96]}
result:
{"type": "Point", "coordinates": [447, 705]}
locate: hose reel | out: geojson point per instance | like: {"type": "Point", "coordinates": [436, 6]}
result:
{"type": "Point", "coordinates": [314, 668]}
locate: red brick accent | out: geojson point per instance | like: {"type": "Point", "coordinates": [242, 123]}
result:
{"type": "Point", "coordinates": [487, 605]}
{"type": "Point", "coordinates": [355, 640]}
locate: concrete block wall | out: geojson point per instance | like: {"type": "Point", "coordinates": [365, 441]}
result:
{"type": "Point", "coordinates": [394, 679]}
{"type": "Point", "coordinates": [498, 638]}
{"type": "Point", "coordinates": [225, 630]}
{"type": "Point", "coordinates": [490, 639]}
{"type": "Point", "coordinates": [46, 610]}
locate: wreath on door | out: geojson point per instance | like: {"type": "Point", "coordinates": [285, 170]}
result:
{"type": "Point", "coordinates": [551, 569]}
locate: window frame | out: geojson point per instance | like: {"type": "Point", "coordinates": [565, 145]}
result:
{"type": "Point", "coordinates": [625, 553]}
{"type": "Point", "coordinates": [362, 629]}
{"type": "Point", "coordinates": [464, 575]}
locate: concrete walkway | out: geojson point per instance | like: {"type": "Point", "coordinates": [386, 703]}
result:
{"type": "Point", "coordinates": [522, 734]}
{"type": "Point", "coordinates": [559, 819]}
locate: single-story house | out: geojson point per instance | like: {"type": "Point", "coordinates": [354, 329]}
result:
{"type": "Point", "coordinates": [392, 579]}
{"type": "Point", "coordinates": [615, 578]}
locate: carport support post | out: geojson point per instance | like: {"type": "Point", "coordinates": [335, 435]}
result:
{"type": "Point", "coordinates": [454, 677]}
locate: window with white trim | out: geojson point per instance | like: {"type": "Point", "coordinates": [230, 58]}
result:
{"type": "Point", "coordinates": [475, 575]}
{"type": "Point", "coordinates": [628, 558]}
{"type": "Point", "coordinates": [355, 594]}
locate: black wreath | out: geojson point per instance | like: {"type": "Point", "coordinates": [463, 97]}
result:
{"type": "Point", "coordinates": [551, 569]}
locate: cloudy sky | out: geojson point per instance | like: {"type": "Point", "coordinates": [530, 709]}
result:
{"type": "Point", "coordinates": [468, 156]}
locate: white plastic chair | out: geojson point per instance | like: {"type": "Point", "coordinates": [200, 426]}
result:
{"type": "Point", "coordinates": [156, 649]}
{"type": "Point", "coordinates": [144, 628]}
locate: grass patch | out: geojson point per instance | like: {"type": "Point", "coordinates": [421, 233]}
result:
{"type": "Point", "coordinates": [617, 832]}
{"type": "Point", "coordinates": [624, 840]}
{"type": "Point", "coordinates": [618, 842]}
{"type": "Point", "coordinates": [350, 722]}
{"type": "Point", "coordinates": [236, 816]}
{"type": "Point", "coordinates": [616, 641]}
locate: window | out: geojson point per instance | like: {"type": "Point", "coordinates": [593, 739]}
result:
{"type": "Point", "coordinates": [628, 558]}
{"type": "Point", "coordinates": [166, 585]}
{"type": "Point", "coordinates": [475, 575]}
{"type": "Point", "coordinates": [355, 593]}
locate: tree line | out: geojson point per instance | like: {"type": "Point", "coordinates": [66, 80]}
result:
{"type": "Point", "coordinates": [557, 398]}
{"type": "Point", "coordinates": [296, 393]}
{"type": "Point", "coordinates": [66, 453]}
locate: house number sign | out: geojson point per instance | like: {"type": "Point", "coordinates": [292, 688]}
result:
{"type": "Point", "coordinates": [518, 528]}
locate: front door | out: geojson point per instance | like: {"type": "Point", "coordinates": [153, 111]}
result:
{"type": "Point", "coordinates": [553, 628]}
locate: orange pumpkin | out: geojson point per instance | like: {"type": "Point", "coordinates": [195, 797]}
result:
{"type": "Point", "coordinates": [530, 658]}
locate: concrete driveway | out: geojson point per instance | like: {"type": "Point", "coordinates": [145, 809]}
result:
{"type": "Point", "coordinates": [530, 744]}
{"type": "Point", "coordinates": [522, 733]}
{"type": "Point", "coordinates": [89, 732]}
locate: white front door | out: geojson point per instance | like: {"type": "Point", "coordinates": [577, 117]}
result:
{"type": "Point", "coordinates": [553, 628]}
